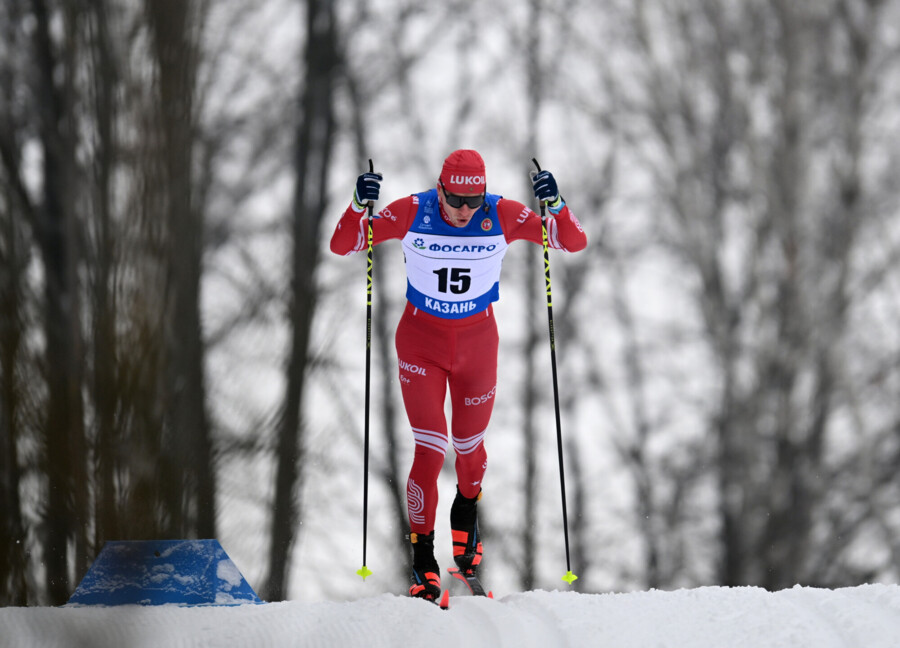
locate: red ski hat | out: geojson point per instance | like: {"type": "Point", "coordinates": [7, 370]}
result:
{"type": "Point", "coordinates": [463, 172]}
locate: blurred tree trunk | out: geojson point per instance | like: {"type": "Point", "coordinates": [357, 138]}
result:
{"type": "Point", "coordinates": [15, 212]}
{"type": "Point", "coordinates": [786, 540]}
{"type": "Point", "coordinates": [12, 530]}
{"type": "Point", "coordinates": [787, 496]}
{"type": "Point", "coordinates": [106, 392]}
{"type": "Point", "coordinates": [188, 477]}
{"type": "Point", "coordinates": [314, 139]}
{"type": "Point", "coordinates": [56, 233]}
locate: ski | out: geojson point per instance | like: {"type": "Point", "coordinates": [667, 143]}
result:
{"type": "Point", "coordinates": [471, 581]}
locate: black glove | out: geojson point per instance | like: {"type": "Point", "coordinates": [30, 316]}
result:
{"type": "Point", "coordinates": [368, 185]}
{"type": "Point", "coordinates": [545, 188]}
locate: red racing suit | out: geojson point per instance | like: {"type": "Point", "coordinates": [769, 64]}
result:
{"type": "Point", "coordinates": [447, 336]}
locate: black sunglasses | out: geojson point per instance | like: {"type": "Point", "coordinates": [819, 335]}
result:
{"type": "Point", "coordinates": [457, 201]}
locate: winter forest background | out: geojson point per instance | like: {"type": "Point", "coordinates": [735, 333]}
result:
{"type": "Point", "coordinates": [181, 356]}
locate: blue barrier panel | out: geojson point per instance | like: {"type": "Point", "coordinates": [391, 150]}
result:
{"type": "Point", "coordinates": [156, 572]}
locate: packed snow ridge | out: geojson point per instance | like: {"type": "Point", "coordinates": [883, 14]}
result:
{"type": "Point", "coordinates": [867, 616]}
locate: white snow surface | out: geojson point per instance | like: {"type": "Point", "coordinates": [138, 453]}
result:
{"type": "Point", "coordinates": [865, 616]}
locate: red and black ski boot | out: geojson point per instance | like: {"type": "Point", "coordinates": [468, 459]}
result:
{"type": "Point", "coordinates": [425, 582]}
{"type": "Point", "coordinates": [467, 548]}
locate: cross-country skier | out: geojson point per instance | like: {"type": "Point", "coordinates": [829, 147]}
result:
{"type": "Point", "coordinates": [454, 237]}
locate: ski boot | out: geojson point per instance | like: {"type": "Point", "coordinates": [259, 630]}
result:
{"type": "Point", "coordinates": [467, 549]}
{"type": "Point", "coordinates": [426, 578]}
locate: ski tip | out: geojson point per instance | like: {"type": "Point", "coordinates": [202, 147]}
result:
{"type": "Point", "coordinates": [570, 577]}
{"type": "Point", "coordinates": [364, 572]}
{"type": "Point", "coordinates": [445, 600]}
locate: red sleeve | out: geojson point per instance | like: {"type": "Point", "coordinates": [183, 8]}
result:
{"type": "Point", "coordinates": [519, 222]}
{"type": "Point", "coordinates": [392, 222]}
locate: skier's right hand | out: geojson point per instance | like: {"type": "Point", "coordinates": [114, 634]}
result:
{"type": "Point", "coordinates": [545, 188]}
{"type": "Point", "coordinates": [368, 186]}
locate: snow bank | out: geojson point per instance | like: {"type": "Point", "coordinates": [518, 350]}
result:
{"type": "Point", "coordinates": [740, 617]}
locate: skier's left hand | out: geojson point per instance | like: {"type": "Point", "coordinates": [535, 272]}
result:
{"type": "Point", "coordinates": [545, 188]}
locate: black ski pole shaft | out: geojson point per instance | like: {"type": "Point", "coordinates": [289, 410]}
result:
{"type": "Point", "coordinates": [364, 570]}
{"type": "Point", "coordinates": [569, 577]}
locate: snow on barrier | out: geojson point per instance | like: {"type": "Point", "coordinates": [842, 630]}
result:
{"type": "Point", "coordinates": [157, 572]}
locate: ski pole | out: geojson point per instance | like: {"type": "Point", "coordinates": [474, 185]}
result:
{"type": "Point", "coordinates": [569, 577]}
{"type": "Point", "coordinates": [364, 570]}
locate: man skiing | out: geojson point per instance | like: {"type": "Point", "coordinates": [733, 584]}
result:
{"type": "Point", "coordinates": [454, 237]}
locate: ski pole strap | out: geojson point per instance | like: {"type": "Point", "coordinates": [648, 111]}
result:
{"type": "Point", "coordinates": [556, 206]}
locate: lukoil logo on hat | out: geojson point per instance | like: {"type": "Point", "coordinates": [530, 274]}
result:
{"type": "Point", "coordinates": [463, 172]}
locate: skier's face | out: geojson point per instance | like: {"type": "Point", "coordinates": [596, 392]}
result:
{"type": "Point", "coordinates": [460, 215]}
